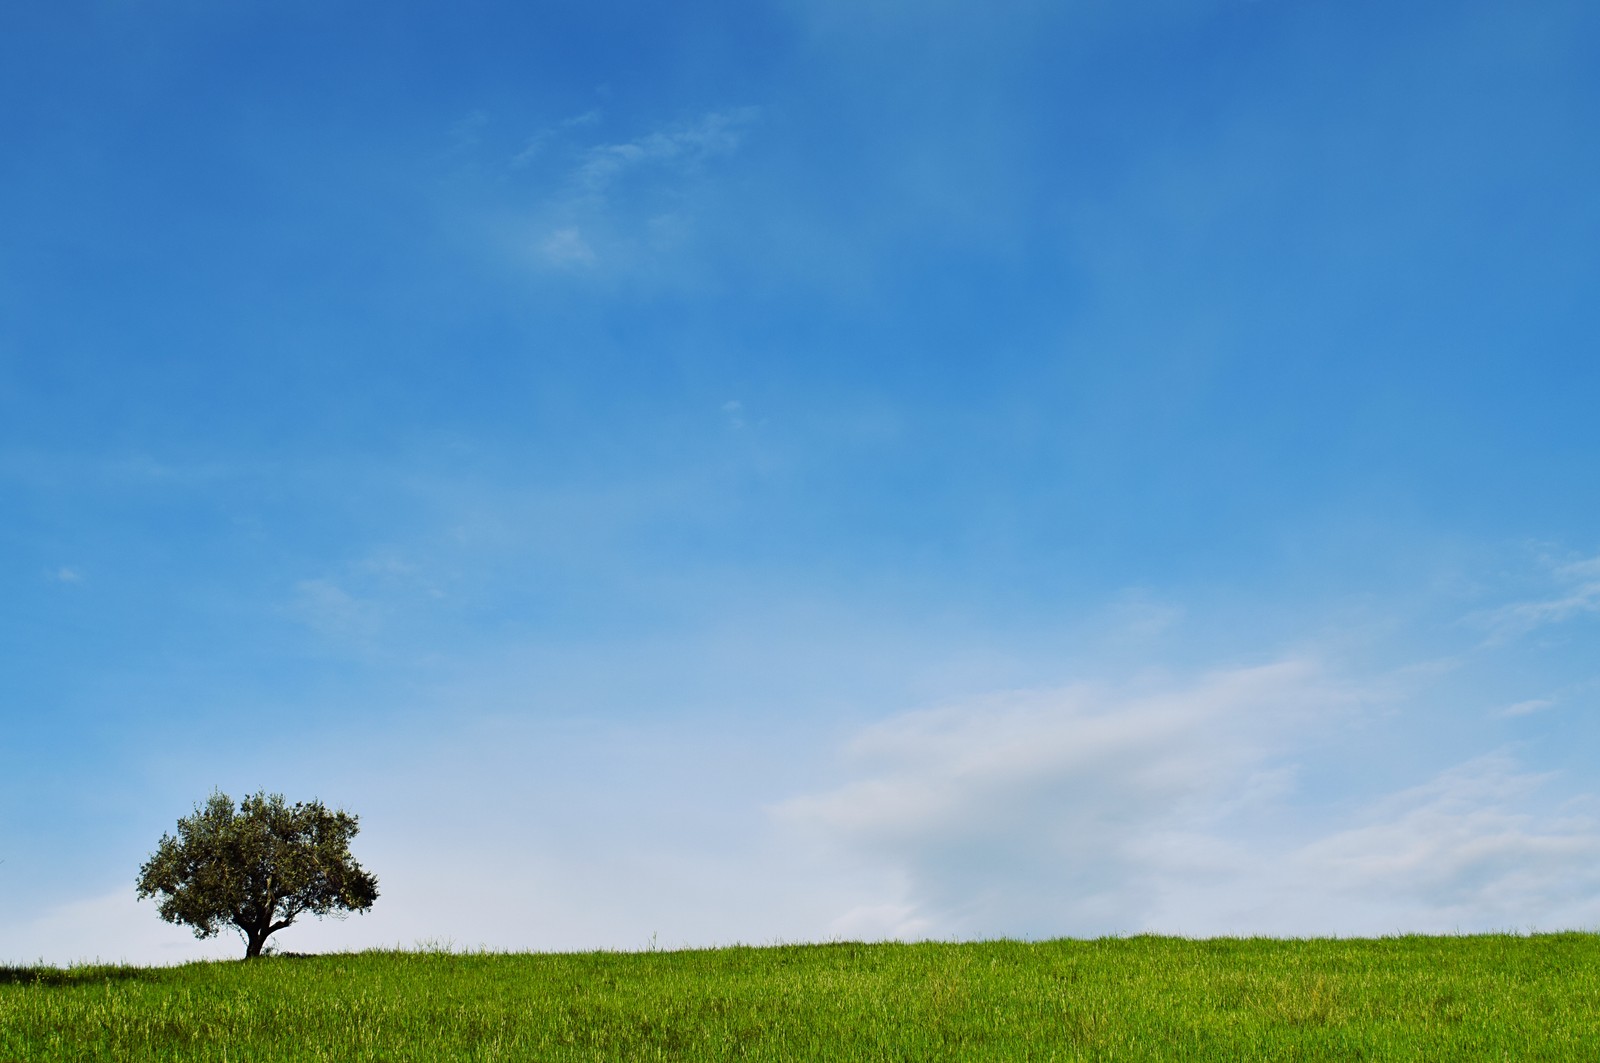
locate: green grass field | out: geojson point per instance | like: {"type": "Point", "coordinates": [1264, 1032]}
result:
{"type": "Point", "coordinates": [1145, 998]}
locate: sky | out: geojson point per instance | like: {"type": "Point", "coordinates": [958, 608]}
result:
{"type": "Point", "coordinates": [803, 470]}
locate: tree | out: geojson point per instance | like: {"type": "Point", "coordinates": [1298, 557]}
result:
{"type": "Point", "coordinates": [257, 869]}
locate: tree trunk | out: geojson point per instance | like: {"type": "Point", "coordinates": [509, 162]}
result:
{"type": "Point", "coordinates": [254, 939]}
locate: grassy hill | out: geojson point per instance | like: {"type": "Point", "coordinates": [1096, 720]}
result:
{"type": "Point", "coordinates": [1144, 998]}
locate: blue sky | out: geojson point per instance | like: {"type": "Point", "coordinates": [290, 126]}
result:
{"type": "Point", "coordinates": [803, 469]}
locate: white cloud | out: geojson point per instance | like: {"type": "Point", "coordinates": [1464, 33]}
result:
{"type": "Point", "coordinates": [536, 145]}
{"type": "Point", "coordinates": [1033, 810]}
{"type": "Point", "coordinates": [1578, 594]}
{"type": "Point", "coordinates": [1470, 850]}
{"type": "Point", "coordinates": [567, 247]}
{"type": "Point", "coordinates": [1095, 810]}
{"type": "Point", "coordinates": [66, 574]}
{"type": "Point", "coordinates": [680, 148]}
{"type": "Point", "coordinates": [622, 204]}
{"type": "Point", "coordinates": [332, 611]}
{"type": "Point", "coordinates": [368, 601]}
{"type": "Point", "coordinates": [113, 928]}
{"type": "Point", "coordinates": [1526, 708]}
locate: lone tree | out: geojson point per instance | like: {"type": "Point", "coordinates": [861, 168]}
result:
{"type": "Point", "coordinates": [257, 869]}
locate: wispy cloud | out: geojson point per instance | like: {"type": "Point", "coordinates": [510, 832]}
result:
{"type": "Point", "coordinates": [622, 202]}
{"type": "Point", "coordinates": [1097, 810]}
{"type": "Point", "coordinates": [1577, 594]}
{"type": "Point", "coordinates": [680, 148]}
{"type": "Point", "coordinates": [539, 142]}
{"type": "Point", "coordinates": [567, 247]}
{"type": "Point", "coordinates": [365, 600]}
{"type": "Point", "coordinates": [1033, 810]}
{"type": "Point", "coordinates": [334, 612]}
{"type": "Point", "coordinates": [1466, 850]}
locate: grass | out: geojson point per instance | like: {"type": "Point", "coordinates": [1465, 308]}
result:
{"type": "Point", "coordinates": [1500, 997]}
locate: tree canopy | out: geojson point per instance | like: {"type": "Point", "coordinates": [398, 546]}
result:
{"type": "Point", "coordinates": [257, 868]}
